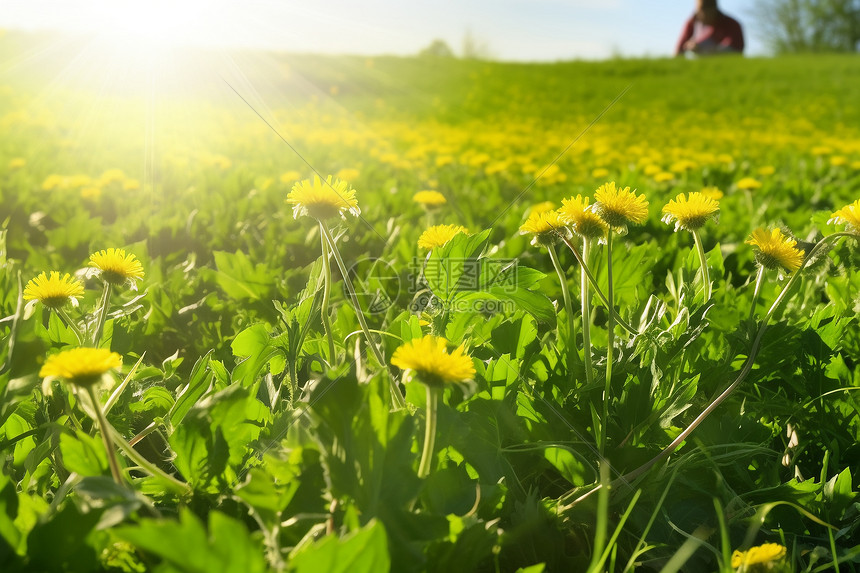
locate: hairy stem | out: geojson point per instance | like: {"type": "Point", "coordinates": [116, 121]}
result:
{"type": "Point", "coordinates": [759, 279]}
{"type": "Point", "coordinates": [104, 430]}
{"type": "Point", "coordinates": [585, 295]}
{"type": "Point", "coordinates": [149, 467]}
{"type": "Point", "coordinates": [71, 323]}
{"type": "Point", "coordinates": [706, 277]}
{"type": "Point", "coordinates": [325, 312]}
{"type": "Point", "coordinates": [623, 323]}
{"type": "Point", "coordinates": [429, 431]}
{"type": "Point", "coordinates": [572, 353]}
{"type": "Point", "coordinates": [396, 396]}
{"type": "Point", "coordinates": [610, 341]}
{"type": "Point", "coordinates": [102, 316]}
{"type": "Point", "coordinates": [747, 368]}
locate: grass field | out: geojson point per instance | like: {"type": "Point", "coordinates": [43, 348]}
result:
{"type": "Point", "coordinates": [268, 415]}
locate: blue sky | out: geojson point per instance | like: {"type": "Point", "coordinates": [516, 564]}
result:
{"type": "Point", "coordinates": [521, 30]}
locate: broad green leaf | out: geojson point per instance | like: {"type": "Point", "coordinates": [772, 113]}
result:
{"type": "Point", "coordinates": [259, 349]}
{"type": "Point", "coordinates": [187, 546]}
{"type": "Point", "coordinates": [198, 384]}
{"type": "Point", "coordinates": [363, 551]}
{"type": "Point", "coordinates": [83, 454]}
{"type": "Point", "coordinates": [60, 543]}
{"type": "Point", "coordinates": [240, 278]}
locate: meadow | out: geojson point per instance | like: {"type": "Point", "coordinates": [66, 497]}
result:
{"type": "Point", "coordinates": [216, 397]}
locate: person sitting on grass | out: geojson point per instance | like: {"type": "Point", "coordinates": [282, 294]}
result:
{"type": "Point", "coordinates": [709, 31]}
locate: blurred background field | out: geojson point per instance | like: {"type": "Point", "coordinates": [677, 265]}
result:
{"type": "Point", "coordinates": [175, 152]}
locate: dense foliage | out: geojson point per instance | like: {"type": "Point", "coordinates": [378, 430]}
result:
{"type": "Point", "coordinates": [254, 424]}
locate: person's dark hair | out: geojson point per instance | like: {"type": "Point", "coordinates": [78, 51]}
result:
{"type": "Point", "coordinates": [708, 3]}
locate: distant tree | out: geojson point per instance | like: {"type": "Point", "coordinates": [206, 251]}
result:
{"type": "Point", "coordinates": [475, 49]}
{"type": "Point", "coordinates": [809, 25]}
{"type": "Point", "coordinates": [437, 49]}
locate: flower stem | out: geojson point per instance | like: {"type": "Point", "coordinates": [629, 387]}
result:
{"type": "Point", "coordinates": [623, 323]}
{"type": "Point", "coordinates": [396, 396]}
{"type": "Point", "coordinates": [610, 340]}
{"type": "Point", "coordinates": [572, 353]}
{"type": "Point", "coordinates": [61, 312]}
{"type": "Point", "coordinates": [747, 368]}
{"type": "Point", "coordinates": [429, 431]}
{"type": "Point", "coordinates": [103, 312]}
{"type": "Point", "coordinates": [104, 429]}
{"type": "Point", "coordinates": [706, 277]}
{"type": "Point", "coordinates": [148, 466]}
{"type": "Point", "coordinates": [585, 295]}
{"type": "Point", "coordinates": [324, 309]}
{"type": "Point", "coordinates": [759, 279]}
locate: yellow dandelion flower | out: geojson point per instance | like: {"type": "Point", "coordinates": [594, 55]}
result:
{"type": "Point", "coordinates": [664, 176]}
{"type": "Point", "coordinates": [112, 176]}
{"type": "Point", "coordinates": [749, 184]}
{"type": "Point", "coordinates": [776, 250]}
{"type": "Point", "coordinates": [712, 192]}
{"type": "Point", "coordinates": [682, 166]}
{"type": "Point", "coordinates": [79, 180]}
{"type": "Point", "coordinates": [821, 150]}
{"type": "Point", "coordinates": [117, 267]}
{"type": "Point", "coordinates": [762, 554]}
{"type": "Point", "coordinates": [545, 226]}
{"type": "Point", "coordinates": [347, 174]}
{"type": "Point", "coordinates": [53, 291]}
{"type": "Point", "coordinates": [428, 357]}
{"type": "Point", "coordinates": [80, 366]}
{"type": "Point", "coordinates": [619, 206]}
{"type": "Point", "coordinates": [848, 215]}
{"type": "Point", "coordinates": [54, 181]}
{"type": "Point", "coordinates": [582, 220]}
{"type": "Point", "coordinates": [652, 169]}
{"type": "Point", "coordinates": [690, 212]}
{"type": "Point", "coordinates": [838, 161]}
{"type": "Point", "coordinates": [443, 160]}
{"type": "Point", "coordinates": [429, 198]}
{"type": "Point", "coordinates": [290, 177]}
{"type": "Point", "coordinates": [130, 185]}
{"type": "Point", "coordinates": [542, 207]}
{"type": "Point", "coordinates": [600, 173]}
{"type": "Point", "coordinates": [322, 199]}
{"type": "Point", "coordinates": [766, 170]}
{"type": "Point", "coordinates": [439, 235]}
{"type": "Point", "coordinates": [91, 192]}
{"type": "Point", "coordinates": [17, 163]}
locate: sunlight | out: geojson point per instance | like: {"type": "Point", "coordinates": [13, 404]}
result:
{"type": "Point", "coordinates": [157, 24]}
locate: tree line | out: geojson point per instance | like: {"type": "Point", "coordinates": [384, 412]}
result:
{"type": "Point", "coordinates": [789, 26]}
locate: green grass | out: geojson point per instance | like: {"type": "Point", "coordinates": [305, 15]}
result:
{"type": "Point", "coordinates": [232, 471]}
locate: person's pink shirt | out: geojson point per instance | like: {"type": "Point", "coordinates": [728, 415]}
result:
{"type": "Point", "coordinates": [726, 34]}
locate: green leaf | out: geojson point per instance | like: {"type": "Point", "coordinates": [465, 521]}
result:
{"type": "Point", "coordinates": [83, 454]}
{"type": "Point", "coordinates": [186, 546]}
{"type": "Point", "coordinates": [364, 551]}
{"type": "Point", "coordinates": [198, 384]}
{"type": "Point", "coordinates": [215, 436]}
{"type": "Point", "coordinates": [9, 532]}
{"type": "Point", "coordinates": [259, 349]}
{"type": "Point", "coordinates": [60, 543]}
{"type": "Point", "coordinates": [240, 279]}
{"type": "Point", "coordinates": [569, 465]}
{"type": "Point", "coordinates": [455, 266]}
{"type": "Point", "coordinates": [156, 400]}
